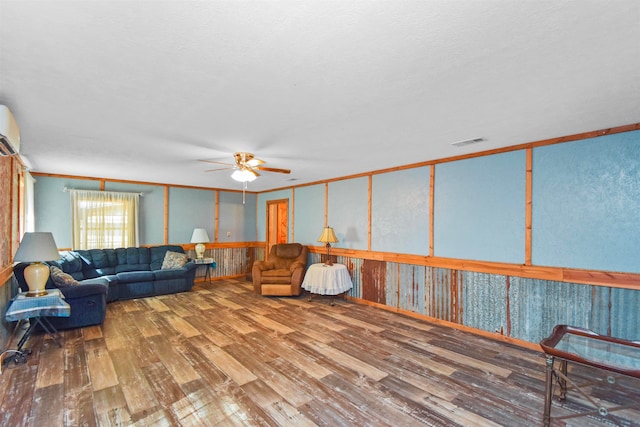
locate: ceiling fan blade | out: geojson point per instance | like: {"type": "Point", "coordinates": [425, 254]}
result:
{"type": "Point", "coordinates": [255, 162]}
{"type": "Point", "coordinates": [267, 169]}
{"type": "Point", "coordinates": [217, 163]}
{"type": "Point", "coordinates": [218, 169]}
{"type": "Point", "coordinates": [253, 171]}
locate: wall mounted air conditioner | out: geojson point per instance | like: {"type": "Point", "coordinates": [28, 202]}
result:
{"type": "Point", "coordinates": [9, 133]}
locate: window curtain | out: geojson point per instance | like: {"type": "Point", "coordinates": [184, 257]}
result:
{"type": "Point", "coordinates": [104, 219]}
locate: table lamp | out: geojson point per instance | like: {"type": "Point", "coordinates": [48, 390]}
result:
{"type": "Point", "coordinates": [199, 237]}
{"type": "Point", "coordinates": [35, 248]}
{"type": "Point", "coordinates": [328, 237]}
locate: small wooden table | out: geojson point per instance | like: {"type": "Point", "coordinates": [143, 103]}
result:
{"type": "Point", "coordinates": [322, 279]}
{"type": "Point", "coordinates": [578, 345]}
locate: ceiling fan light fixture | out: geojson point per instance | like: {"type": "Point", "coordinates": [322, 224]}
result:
{"type": "Point", "coordinates": [243, 175]}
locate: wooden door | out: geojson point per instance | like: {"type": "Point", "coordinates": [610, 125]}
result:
{"type": "Point", "coordinates": [277, 222]}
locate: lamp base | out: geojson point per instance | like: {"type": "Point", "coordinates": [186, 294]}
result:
{"type": "Point", "coordinates": [328, 262]}
{"type": "Point", "coordinates": [36, 294]}
{"type": "Point", "coordinates": [199, 250]}
{"type": "Point", "coordinates": [36, 276]}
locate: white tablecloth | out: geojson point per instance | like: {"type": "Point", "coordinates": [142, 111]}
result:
{"type": "Point", "coordinates": [322, 279]}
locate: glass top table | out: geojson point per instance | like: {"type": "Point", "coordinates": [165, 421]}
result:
{"type": "Point", "coordinates": [583, 346]}
{"type": "Point", "coordinates": [586, 347]}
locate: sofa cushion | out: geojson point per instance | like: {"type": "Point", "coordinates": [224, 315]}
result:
{"type": "Point", "coordinates": [103, 258]}
{"type": "Point", "coordinates": [60, 278]}
{"type": "Point", "coordinates": [168, 274]}
{"type": "Point", "coordinates": [158, 252]}
{"type": "Point", "coordinates": [135, 276]}
{"type": "Point", "coordinates": [71, 263]}
{"type": "Point", "coordinates": [120, 268]}
{"type": "Point", "coordinates": [174, 260]}
{"type": "Point", "coordinates": [281, 272]}
{"type": "Point", "coordinates": [99, 272]}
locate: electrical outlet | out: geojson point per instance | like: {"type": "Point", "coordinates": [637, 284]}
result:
{"type": "Point", "coordinates": [228, 234]}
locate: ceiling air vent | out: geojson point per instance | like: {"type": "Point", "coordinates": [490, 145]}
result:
{"type": "Point", "coordinates": [467, 142]}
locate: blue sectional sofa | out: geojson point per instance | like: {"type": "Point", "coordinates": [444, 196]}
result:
{"type": "Point", "coordinates": [105, 275]}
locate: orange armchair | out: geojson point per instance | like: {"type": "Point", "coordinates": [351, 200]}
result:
{"type": "Point", "coordinates": [282, 273]}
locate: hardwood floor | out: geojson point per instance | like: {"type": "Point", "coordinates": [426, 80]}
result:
{"type": "Point", "coordinates": [221, 355]}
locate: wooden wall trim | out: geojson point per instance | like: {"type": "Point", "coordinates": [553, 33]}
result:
{"type": "Point", "coordinates": [369, 210]}
{"type": "Point", "coordinates": [124, 181]}
{"type": "Point", "coordinates": [293, 215]}
{"type": "Point", "coordinates": [216, 218]}
{"type": "Point", "coordinates": [432, 191]}
{"type": "Point", "coordinates": [219, 245]}
{"type": "Point", "coordinates": [528, 213]}
{"type": "Point", "coordinates": [559, 274]}
{"type": "Point", "coordinates": [5, 274]}
{"type": "Point", "coordinates": [166, 214]}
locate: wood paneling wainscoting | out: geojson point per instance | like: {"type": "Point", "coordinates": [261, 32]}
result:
{"type": "Point", "coordinates": [222, 355]}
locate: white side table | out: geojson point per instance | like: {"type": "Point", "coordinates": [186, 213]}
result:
{"type": "Point", "coordinates": [322, 279]}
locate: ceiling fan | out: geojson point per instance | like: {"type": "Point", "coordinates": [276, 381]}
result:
{"type": "Point", "coordinates": [245, 168]}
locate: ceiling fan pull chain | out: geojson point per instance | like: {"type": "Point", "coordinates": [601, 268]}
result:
{"type": "Point", "coordinates": [244, 188]}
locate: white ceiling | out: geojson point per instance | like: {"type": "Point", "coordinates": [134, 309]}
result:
{"type": "Point", "coordinates": [140, 90]}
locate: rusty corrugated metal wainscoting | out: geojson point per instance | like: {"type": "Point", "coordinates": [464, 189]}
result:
{"type": "Point", "coordinates": [232, 261]}
{"type": "Point", "coordinates": [374, 276]}
{"type": "Point", "coordinates": [521, 308]}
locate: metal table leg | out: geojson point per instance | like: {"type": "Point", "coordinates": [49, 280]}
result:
{"type": "Point", "coordinates": [548, 392]}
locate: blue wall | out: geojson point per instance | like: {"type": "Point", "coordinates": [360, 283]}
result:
{"type": "Point", "coordinates": [400, 211]}
{"type": "Point", "coordinates": [236, 217]}
{"type": "Point", "coordinates": [349, 213]}
{"type": "Point", "coordinates": [586, 204]}
{"type": "Point", "coordinates": [309, 214]}
{"type": "Point", "coordinates": [479, 208]}
{"type": "Point", "coordinates": [53, 206]}
{"type": "Point", "coordinates": [188, 209]}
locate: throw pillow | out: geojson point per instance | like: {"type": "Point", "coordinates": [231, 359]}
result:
{"type": "Point", "coordinates": [174, 260]}
{"type": "Point", "coordinates": [60, 278]}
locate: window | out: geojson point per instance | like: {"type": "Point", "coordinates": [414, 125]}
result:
{"type": "Point", "coordinates": [104, 219]}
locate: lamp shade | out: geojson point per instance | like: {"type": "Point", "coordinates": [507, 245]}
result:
{"type": "Point", "coordinates": [327, 236]}
{"type": "Point", "coordinates": [37, 246]}
{"type": "Point", "coordinates": [199, 236]}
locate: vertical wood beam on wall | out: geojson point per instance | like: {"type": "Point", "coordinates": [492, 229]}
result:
{"type": "Point", "coordinates": [216, 217]}
{"type": "Point", "coordinates": [21, 214]}
{"type": "Point", "coordinates": [369, 213]}
{"type": "Point", "coordinates": [293, 214]}
{"type": "Point", "coordinates": [528, 207]}
{"type": "Point", "coordinates": [102, 184]}
{"type": "Point", "coordinates": [432, 175]}
{"type": "Point", "coordinates": [166, 214]}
